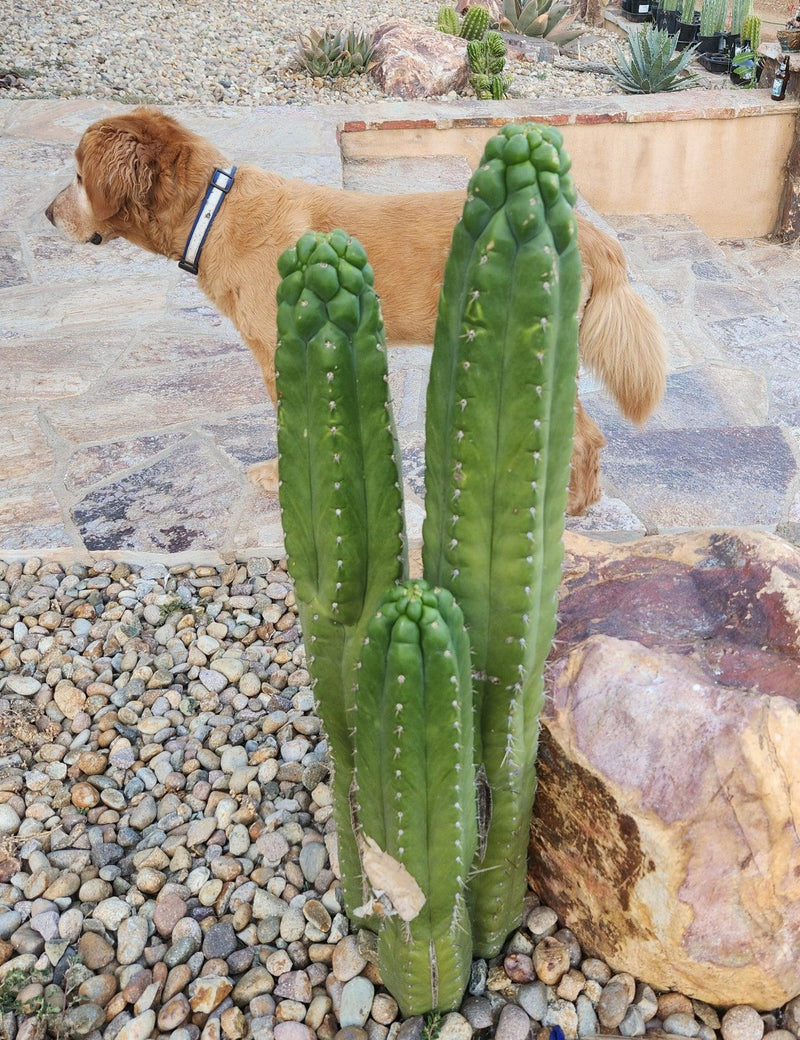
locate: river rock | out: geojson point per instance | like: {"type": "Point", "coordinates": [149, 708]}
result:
{"type": "Point", "coordinates": [668, 770]}
{"type": "Point", "coordinates": [414, 61]}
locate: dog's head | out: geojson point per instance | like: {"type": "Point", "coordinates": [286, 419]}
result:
{"type": "Point", "coordinates": [137, 175]}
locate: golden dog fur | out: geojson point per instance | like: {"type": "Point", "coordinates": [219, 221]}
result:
{"type": "Point", "coordinates": [142, 176]}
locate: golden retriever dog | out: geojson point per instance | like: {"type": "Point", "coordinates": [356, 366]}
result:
{"type": "Point", "coordinates": [143, 177]}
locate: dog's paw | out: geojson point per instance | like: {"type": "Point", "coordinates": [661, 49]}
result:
{"type": "Point", "coordinates": [265, 476]}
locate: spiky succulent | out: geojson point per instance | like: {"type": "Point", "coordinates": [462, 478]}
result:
{"type": "Point", "coordinates": [474, 23]}
{"type": "Point", "coordinates": [653, 66]}
{"type": "Point", "coordinates": [334, 53]}
{"type": "Point", "coordinates": [486, 60]}
{"type": "Point", "coordinates": [687, 12]}
{"type": "Point", "coordinates": [712, 16]}
{"type": "Point", "coordinates": [751, 30]}
{"type": "Point", "coordinates": [447, 21]}
{"type": "Point", "coordinates": [550, 19]}
{"type": "Point", "coordinates": [739, 10]}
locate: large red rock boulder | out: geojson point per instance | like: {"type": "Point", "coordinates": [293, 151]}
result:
{"type": "Point", "coordinates": [414, 61]}
{"type": "Point", "coordinates": [666, 831]}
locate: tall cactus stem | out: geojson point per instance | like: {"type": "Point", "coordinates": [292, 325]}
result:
{"type": "Point", "coordinates": [341, 490]}
{"type": "Point", "coordinates": [498, 444]}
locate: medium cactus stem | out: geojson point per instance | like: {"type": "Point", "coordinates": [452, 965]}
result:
{"type": "Point", "coordinates": [341, 493]}
{"type": "Point", "coordinates": [474, 23]}
{"type": "Point", "coordinates": [414, 767]}
{"type": "Point", "coordinates": [739, 8]}
{"type": "Point", "coordinates": [498, 444]}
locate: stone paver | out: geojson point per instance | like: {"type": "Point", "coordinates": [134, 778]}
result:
{"type": "Point", "coordinates": [131, 412]}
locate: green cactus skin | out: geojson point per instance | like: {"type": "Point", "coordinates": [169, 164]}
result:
{"type": "Point", "coordinates": [712, 16]}
{"type": "Point", "coordinates": [486, 59]}
{"type": "Point", "coordinates": [414, 756]}
{"type": "Point", "coordinates": [687, 12]}
{"type": "Point", "coordinates": [739, 8]}
{"type": "Point", "coordinates": [498, 442]}
{"type": "Point", "coordinates": [499, 86]}
{"type": "Point", "coordinates": [447, 21]}
{"type": "Point", "coordinates": [474, 23]}
{"type": "Point", "coordinates": [341, 485]}
{"type": "Point", "coordinates": [751, 30]}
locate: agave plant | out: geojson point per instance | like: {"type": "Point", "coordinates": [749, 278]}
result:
{"type": "Point", "coordinates": [550, 19]}
{"type": "Point", "coordinates": [652, 65]}
{"type": "Point", "coordinates": [333, 53]}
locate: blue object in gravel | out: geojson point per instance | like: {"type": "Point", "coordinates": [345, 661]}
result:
{"type": "Point", "coordinates": [557, 1033]}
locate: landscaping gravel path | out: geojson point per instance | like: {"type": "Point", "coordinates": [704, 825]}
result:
{"type": "Point", "coordinates": [236, 51]}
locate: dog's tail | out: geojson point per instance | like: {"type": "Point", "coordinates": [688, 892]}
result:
{"type": "Point", "coordinates": [620, 337]}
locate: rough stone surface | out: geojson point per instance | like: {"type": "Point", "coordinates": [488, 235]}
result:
{"type": "Point", "coordinates": [418, 61]}
{"type": "Point", "coordinates": [702, 670]}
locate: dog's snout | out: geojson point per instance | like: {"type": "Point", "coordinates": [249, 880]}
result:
{"type": "Point", "coordinates": [49, 214]}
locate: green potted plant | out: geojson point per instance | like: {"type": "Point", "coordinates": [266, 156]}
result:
{"type": "Point", "coordinates": [689, 24]}
{"type": "Point", "coordinates": [712, 22]}
{"type": "Point", "coordinates": [745, 64]}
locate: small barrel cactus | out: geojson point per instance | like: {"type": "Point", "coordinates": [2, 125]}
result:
{"type": "Point", "coordinates": [498, 442]}
{"type": "Point", "coordinates": [751, 31]}
{"type": "Point", "coordinates": [474, 23]}
{"type": "Point", "coordinates": [447, 21]}
{"type": "Point", "coordinates": [341, 492]}
{"type": "Point", "coordinates": [414, 767]}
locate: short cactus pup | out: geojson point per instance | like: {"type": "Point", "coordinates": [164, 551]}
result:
{"type": "Point", "coordinates": [430, 689]}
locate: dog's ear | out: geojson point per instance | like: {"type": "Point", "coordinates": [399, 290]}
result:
{"type": "Point", "coordinates": [119, 168]}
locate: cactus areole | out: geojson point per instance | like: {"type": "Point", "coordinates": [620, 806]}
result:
{"type": "Point", "coordinates": [430, 690]}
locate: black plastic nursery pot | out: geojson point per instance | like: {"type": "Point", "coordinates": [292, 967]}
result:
{"type": "Point", "coordinates": [717, 63]}
{"type": "Point", "coordinates": [743, 76]}
{"type": "Point", "coordinates": [707, 44]}
{"type": "Point", "coordinates": [727, 42]}
{"type": "Point", "coordinates": [668, 20]}
{"type": "Point", "coordinates": [687, 34]}
{"type": "Point", "coordinates": [638, 11]}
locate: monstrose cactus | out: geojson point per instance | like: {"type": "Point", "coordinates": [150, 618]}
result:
{"type": "Point", "coordinates": [433, 721]}
{"type": "Point", "coordinates": [487, 58]}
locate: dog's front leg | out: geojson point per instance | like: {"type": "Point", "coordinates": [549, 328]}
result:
{"type": "Point", "coordinates": [265, 474]}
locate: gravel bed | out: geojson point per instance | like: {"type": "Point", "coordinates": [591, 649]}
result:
{"type": "Point", "coordinates": [232, 51]}
{"type": "Point", "coordinates": [167, 861]}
